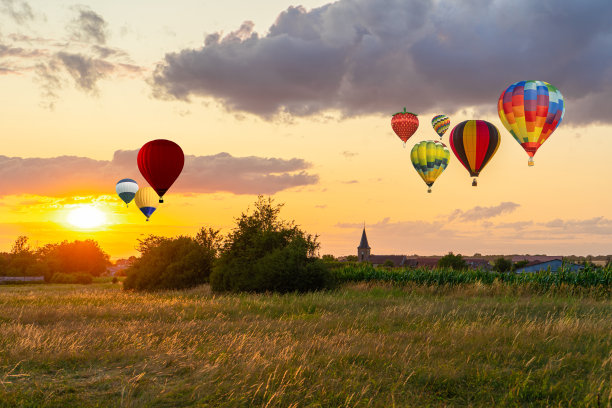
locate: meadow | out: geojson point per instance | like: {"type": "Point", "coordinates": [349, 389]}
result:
{"type": "Point", "coordinates": [364, 344]}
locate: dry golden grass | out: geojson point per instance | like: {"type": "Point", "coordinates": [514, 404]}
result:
{"type": "Point", "coordinates": [363, 345]}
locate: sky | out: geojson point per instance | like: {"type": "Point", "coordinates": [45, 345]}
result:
{"type": "Point", "coordinates": [294, 100]}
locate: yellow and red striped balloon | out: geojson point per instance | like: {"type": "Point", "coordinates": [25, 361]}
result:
{"type": "Point", "coordinates": [474, 142]}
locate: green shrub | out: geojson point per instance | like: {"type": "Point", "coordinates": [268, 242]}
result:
{"type": "Point", "coordinates": [452, 261]}
{"type": "Point", "coordinates": [173, 263]}
{"type": "Point", "coordinates": [264, 254]}
{"type": "Point", "coordinates": [502, 264]}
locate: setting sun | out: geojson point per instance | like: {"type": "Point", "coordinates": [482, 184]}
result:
{"type": "Point", "coordinates": [86, 216]}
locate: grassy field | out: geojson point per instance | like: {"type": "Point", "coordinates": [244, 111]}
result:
{"type": "Point", "coordinates": [362, 345]}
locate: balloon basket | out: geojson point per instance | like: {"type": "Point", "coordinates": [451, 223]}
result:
{"type": "Point", "coordinates": [161, 200]}
{"type": "Point", "coordinates": [429, 190]}
{"type": "Point", "coordinates": [404, 145]}
{"type": "Point", "coordinates": [474, 183]}
{"type": "Point", "coordinates": [530, 162]}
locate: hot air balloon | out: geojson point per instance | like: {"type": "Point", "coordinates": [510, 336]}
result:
{"type": "Point", "coordinates": [126, 189]}
{"type": "Point", "coordinates": [531, 111]}
{"type": "Point", "coordinates": [146, 200]}
{"type": "Point", "coordinates": [429, 159]}
{"type": "Point", "coordinates": [474, 142]}
{"type": "Point", "coordinates": [440, 124]}
{"type": "Point", "coordinates": [404, 125]}
{"type": "Point", "coordinates": [161, 162]}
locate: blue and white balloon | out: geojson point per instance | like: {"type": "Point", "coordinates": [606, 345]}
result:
{"type": "Point", "coordinates": [127, 189]}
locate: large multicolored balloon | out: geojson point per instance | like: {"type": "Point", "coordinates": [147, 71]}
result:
{"type": "Point", "coordinates": [474, 142]}
{"type": "Point", "coordinates": [146, 200]}
{"type": "Point", "coordinates": [531, 111]}
{"type": "Point", "coordinates": [161, 162]}
{"type": "Point", "coordinates": [126, 189]}
{"type": "Point", "coordinates": [429, 159]}
{"type": "Point", "coordinates": [440, 123]}
{"type": "Point", "coordinates": [404, 125]}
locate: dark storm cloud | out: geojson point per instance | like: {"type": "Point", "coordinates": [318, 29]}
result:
{"type": "Point", "coordinates": [373, 56]}
{"type": "Point", "coordinates": [88, 26]}
{"type": "Point", "coordinates": [202, 174]}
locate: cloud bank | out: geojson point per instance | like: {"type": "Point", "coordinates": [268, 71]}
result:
{"type": "Point", "coordinates": [221, 172]}
{"type": "Point", "coordinates": [375, 56]}
{"type": "Point", "coordinates": [83, 60]}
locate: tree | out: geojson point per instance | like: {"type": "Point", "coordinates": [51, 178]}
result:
{"type": "Point", "coordinates": [150, 241]}
{"type": "Point", "coordinates": [352, 258]}
{"type": "Point", "coordinates": [264, 253]}
{"type": "Point", "coordinates": [388, 263]}
{"type": "Point", "coordinates": [328, 258]}
{"type": "Point", "coordinates": [21, 260]}
{"type": "Point", "coordinates": [452, 261]}
{"type": "Point", "coordinates": [73, 257]}
{"type": "Point", "coordinates": [502, 264]}
{"type": "Point", "coordinates": [21, 246]}
{"type": "Point", "coordinates": [173, 263]}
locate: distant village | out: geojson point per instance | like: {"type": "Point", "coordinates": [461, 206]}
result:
{"type": "Point", "coordinates": [527, 263]}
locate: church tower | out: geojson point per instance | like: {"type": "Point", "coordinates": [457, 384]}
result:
{"type": "Point", "coordinates": [363, 250]}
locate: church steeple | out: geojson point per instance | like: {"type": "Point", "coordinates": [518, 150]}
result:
{"type": "Point", "coordinates": [363, 250]}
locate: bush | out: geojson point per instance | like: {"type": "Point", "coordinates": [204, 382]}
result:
{"type": "Point", "coordinates": [81, 278]}
{"type": "Point", "coordinates": [173, 263]}
{"type": "Point", "coordinates": [263, 253]}
{"type": "Point", "coordinates": [452, 261]}
{"type": "Point", "coordinates": [502, 265]}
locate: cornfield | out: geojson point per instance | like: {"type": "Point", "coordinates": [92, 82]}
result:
{"type": "Point", "coordinates": [589, 277]}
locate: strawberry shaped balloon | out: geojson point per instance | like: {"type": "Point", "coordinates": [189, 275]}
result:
{"type": "Point", "coordinates": [404, 125]}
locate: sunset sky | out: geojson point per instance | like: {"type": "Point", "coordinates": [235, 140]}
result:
{"type": "Point", "coordinates": [294, 100]}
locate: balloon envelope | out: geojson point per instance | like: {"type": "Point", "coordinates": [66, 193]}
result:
{"type": "Point", "coordinates": [404, 124]}
{"type": "Point", "coordinates": [531, 111]}
{"type": "Point", "coordinates": [126, 189]}
{"type": "Point", "coordinates": [146, 199]}
{"type": "Point", "coordinates": [440, 123]}
{"type": "Point", "coordinates": [474, 142]}
{"type": "Point", "coordinates": [160, 162]}
{"type": "Point", "coordinates": [429, 159]}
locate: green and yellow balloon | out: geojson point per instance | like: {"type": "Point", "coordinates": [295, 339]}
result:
{"type": "Point", "coordinates": [429, 158]}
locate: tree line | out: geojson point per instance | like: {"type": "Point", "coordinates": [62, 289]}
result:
{"type": "Point", "coordinates": [64, 262]}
